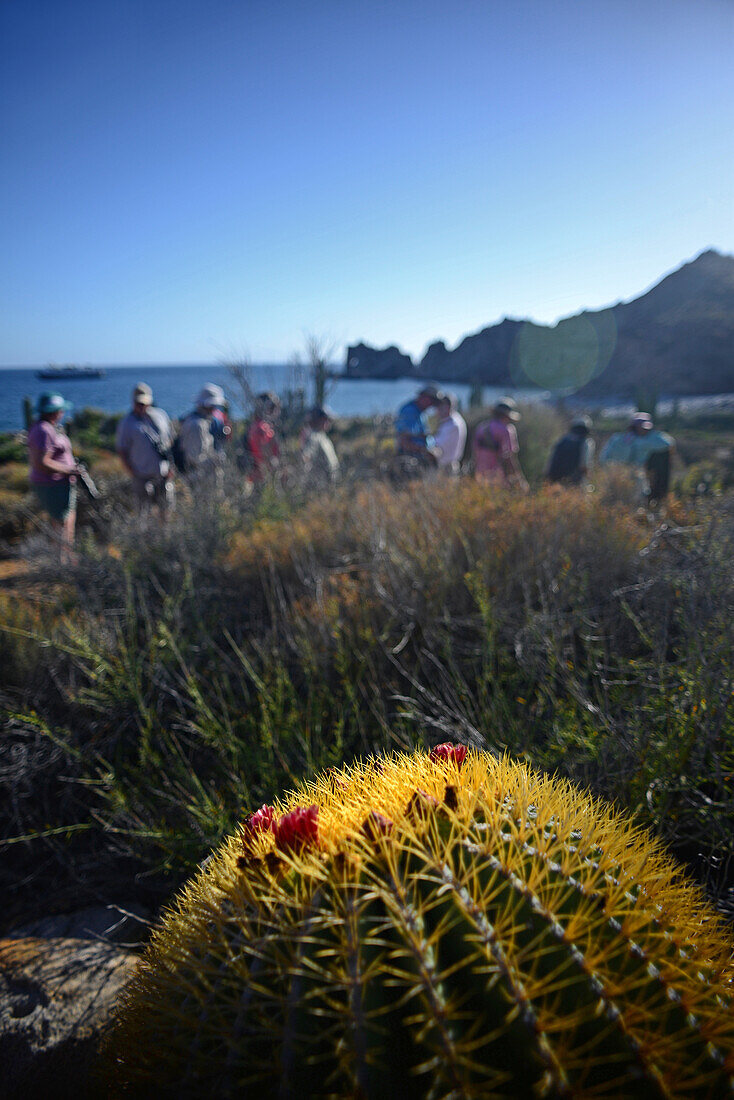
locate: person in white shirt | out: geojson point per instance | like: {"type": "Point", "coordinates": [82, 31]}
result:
{"type": "Point", "coordinates": [320, 463]}
{"type": "Point", "coordinates": [195, 435]}
{"type": "Point", "coordinates": [450, 436]}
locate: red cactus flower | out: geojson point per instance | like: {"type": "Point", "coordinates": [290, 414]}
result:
{"type": "Point", "coordinates": [261, 821]}
{"type": "Point", "coordinates": [447, 752]}
{"type": "Point", "coordinates": [297, 829]}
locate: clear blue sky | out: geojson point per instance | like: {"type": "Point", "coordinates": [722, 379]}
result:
{"type": "Point", "coordinates": [182, 180]}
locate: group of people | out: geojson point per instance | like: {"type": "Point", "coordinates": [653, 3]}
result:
{"type": "Point", "coordinates": [261, 455]}
{"type": "Point", "coordinates": [152, 451]}
{"type": "Point", "coordinates": [495, 448]}
{"type": "Point", "coordinates": [641, 447]}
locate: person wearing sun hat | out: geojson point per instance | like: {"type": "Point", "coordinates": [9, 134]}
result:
{"type": "Point", "coordinates": [143, 442]}
{"type": "Point", "coordinates": [635, 445]}
{"type": "Point", "coordinates": [53, 469]}
{"type": "Point", "coordinates": [496, 448]}
{"type": "Point", "coordinates": [645, 449]}
{"type": "Point", "coordinates": [196, 439]}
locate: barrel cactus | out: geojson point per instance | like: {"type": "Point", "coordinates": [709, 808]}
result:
{"type": "Point", "coordinates": [443, 925]}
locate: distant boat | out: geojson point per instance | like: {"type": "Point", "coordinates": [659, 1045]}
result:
{"type": "Point", "coordinates": [70, 373]}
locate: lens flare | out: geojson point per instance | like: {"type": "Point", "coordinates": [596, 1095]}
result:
{"type": "Point", "coordinates": [564, 358]}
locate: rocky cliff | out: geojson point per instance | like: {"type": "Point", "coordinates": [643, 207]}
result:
{"type": "Point", "coordinates": [678, 338]}
{"type": "Point", "coordinates": [366, 362]}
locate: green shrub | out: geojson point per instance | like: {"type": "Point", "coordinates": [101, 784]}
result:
{"type": "Point", "coordinates": [12, 448]}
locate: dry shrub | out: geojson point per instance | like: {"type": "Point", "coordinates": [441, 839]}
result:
{"type": "Point", "coordinates": [371, 618]}
{"type": "Point", "coordinates": [31, 624]}
{"type": "Point", "coordinates": [14, 477]}
{"type": "Point", "coordinates": [16, 515]}
{"type": "Point", "coordinates": [414, 546]}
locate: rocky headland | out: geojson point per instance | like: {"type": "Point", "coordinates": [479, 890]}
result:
{"type": "Point", "coordinates": [676, 339]}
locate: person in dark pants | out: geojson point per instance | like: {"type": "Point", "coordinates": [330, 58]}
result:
{"type": "Point", "coordinates": [657, 468]}
{"type": "Point", "coordinates": [572, 456]}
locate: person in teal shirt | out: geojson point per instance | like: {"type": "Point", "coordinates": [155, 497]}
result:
{"type": "Point", "coordinates": [645, 448]}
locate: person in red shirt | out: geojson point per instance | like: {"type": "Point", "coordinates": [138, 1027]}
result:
{"type": "Point", "coordinates": [262, 444]}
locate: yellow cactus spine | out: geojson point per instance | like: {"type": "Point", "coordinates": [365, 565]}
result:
{"type": "Point", "coordinates": [433, 926]}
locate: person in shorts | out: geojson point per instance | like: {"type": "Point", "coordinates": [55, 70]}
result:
{"type": "Point", "coordinates": [144, 439]}
{"type": "Point", "coordinates": [53, 470]}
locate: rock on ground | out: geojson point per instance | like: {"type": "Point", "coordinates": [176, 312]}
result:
{"type": "Point", "coordinates": [56, 997]}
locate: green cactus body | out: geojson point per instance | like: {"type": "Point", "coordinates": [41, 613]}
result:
{"type": "Point", "coordinates": [514, 938]}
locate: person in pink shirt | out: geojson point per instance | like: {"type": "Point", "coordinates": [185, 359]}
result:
{"type": "Point", "coordinates": [496, 448]}
{"type": "Point", "coordinates": [53, 469]}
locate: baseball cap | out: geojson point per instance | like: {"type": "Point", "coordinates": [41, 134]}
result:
{"type": "Point", "coordinates": [142, 394]}
{"type": "Point", "coordinates": [507, 406]}
{"type": "Point", "coordinates": [584, 422]}
{"type": "Point", "coordinates": [52, 403]}
{"type": "Point", "coordinates": [643, 419]}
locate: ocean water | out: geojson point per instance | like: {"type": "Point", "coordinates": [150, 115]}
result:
{"type": "Point", "coordinates": [174, 389]}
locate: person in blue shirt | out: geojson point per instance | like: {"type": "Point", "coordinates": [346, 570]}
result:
{"type": "Point", "coordinates": [411, 423]}
{"type": "Point", "coordinates": [646, 450]}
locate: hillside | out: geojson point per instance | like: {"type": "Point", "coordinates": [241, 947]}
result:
{"type": "Point", "coordinates": [677, 338]}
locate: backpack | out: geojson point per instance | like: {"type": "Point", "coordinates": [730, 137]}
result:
{"type": "Point", "coordinates": [484, 439]}
{"type": "Point", "coordinates": [177, 451]}
{"type": "Point", "coordinates": [566, 459]}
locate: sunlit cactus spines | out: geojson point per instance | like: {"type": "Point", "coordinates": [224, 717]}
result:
{"type": "Point", "coordinates": [447, 927]}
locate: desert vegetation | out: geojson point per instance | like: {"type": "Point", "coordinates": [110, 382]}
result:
{"type": "Point", "coordinates": [176, 678]}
